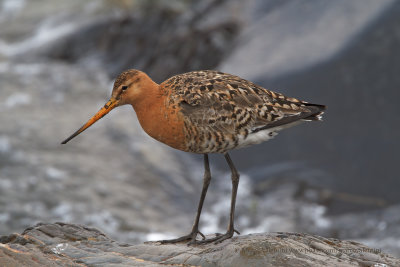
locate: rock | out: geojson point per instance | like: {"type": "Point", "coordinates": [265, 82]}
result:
{"type": "Point", "coordinates": [279, 37]}
{"type": "Point", "coordinates": [162, 40]}
{"type": "Point", "coordinates": [64, 244]}
{"type": "Point", "coordinates": [379, 228]}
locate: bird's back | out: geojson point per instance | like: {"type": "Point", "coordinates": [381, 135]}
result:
{"type": "Point", "coordinates": [223, 112]}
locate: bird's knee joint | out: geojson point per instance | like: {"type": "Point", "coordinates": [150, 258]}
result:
{"type": "Point", "coordinates": [235, 176]}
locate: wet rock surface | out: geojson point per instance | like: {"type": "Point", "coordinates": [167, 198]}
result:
{"type": "Point", "coordinates": [63, 244]}
{"type": "Point", "coordinates": [182, 39]}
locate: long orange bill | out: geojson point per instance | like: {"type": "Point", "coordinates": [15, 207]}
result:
{"type": "Point", "coordinates": [112, 103]}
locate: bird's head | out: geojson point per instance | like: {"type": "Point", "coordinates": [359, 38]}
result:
{"type": "Point", "coordinates": [129, 88]}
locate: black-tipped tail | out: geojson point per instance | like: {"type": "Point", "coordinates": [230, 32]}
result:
{"type": "Point", "coordinates": [316, 111]}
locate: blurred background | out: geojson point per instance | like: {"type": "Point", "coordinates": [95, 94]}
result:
{"type": "Point", "coordinates": [338, 178]}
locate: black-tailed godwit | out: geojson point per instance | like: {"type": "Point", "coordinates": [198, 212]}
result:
{"type": "Point", "coordinates": [206, 112]}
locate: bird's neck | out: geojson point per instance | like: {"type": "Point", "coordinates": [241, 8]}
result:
{"type": "Point", "coordinates": [149, 93]}
{"type": "Point", "coordinates": [157, 120]}
{"type": "Point", "coordinates": [148, 103]}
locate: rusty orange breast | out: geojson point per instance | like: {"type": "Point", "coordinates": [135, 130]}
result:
{"type": "Point", "coordinates": [163, 123]}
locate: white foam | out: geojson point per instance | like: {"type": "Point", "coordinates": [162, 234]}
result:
{"type": "Point", "coordinates": [4, 144]}
{"type": "Point", "coordinates": [17, 99]}
{"type": "Point", "coordinates": [316, 213]}
{"type": "Point", "coordinates": [104, 220]}
{"type": "Point", "coordinates": [45, 34]}
{"type": "Point", "coordinates": [55, 173]}
{"type": "Point", "coordinates": [10, 8]}
{"type": "Point", "coordinates": [158, 236]}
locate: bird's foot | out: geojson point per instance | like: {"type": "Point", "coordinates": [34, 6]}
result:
{"type": "Point", "coordinates": [218, 238]}
{"type": "Point", "coordinates": [190, 237]}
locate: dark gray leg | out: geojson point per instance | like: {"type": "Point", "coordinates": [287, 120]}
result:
{"type": "Point", "coordinates": [206, 183]}
{"type": "Point", "coordinates": [231, 229]}
{"type": "Point", "coordinates": [235, 184]}
{"type": "Point", "coordinates": [195, 229]}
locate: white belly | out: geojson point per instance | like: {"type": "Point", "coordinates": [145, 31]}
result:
{"type": "Point", "coordinates": [263, 135]}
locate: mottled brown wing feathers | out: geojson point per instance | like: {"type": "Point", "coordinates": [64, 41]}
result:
{"type": "Point", "coordinates": [227, 102]}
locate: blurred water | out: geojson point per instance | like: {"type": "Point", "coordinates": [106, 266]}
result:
{"type": "Point", "coordinates": [46, 33]}
{"type": "Point", "coordinates": [10, 8]}
{"type": "Point", "coordinates": [313, 32]}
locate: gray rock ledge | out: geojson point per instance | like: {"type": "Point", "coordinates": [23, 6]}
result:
{"type": "Point", "coordinates": [62, 244]}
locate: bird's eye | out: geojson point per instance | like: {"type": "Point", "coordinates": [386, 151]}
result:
{"type": "Point", "coordinates": [124, 87]}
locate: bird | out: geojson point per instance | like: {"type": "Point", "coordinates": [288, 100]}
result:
{"type": "Point", "coordinates": [205, 112]}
